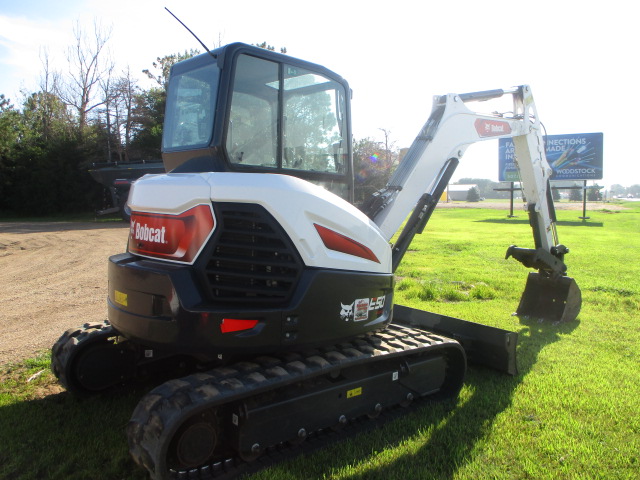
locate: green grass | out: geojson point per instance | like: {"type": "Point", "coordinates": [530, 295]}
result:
{"type": "Point", "coordinates": [572, 412]}
{"type": "Point", "coordinates": [46, 434]}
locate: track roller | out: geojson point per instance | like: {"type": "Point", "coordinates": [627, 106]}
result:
{"type": "Point", "coordinates": [342, 422]}
{"type": "Point", "coordinates": [377, 410]}
{"type": "Point", "coordinates": [300, 437]}
{"type": "Point", "coordinates": [408, 400]}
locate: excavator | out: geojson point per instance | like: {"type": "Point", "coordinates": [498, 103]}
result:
{"type": "Point", "coordinates": [254, 282]}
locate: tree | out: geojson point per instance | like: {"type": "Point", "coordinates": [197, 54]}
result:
{"type": "Point", "coordinates": [486, 187]}
{"type": "Point", "coordinates": [473, 195]}
{"type": "Point", "coordinates": [575, 194]}
{"type": "Point", "coordinates": [162, 66]}
{"type": "Point", "coordinates": [372, 166]}
{"type": "Point", "coordinates": [46, 117]}
{"type": "Point", "coordinates": [119, 98]}
{"type": "Point", "coordinates": [5, 103]}
{"type": "Point", "coordinates": [40, 169]}
{"type": "Point", "coordinates": [148, 118]}
{"type": "Point", "coordinates": [617, 189]}
{"type": "Point", "coordinates": [46, 144]}
{"type": "Point", "coordinates": [107, 121]}
{"type": "Point", "coordinates": [389, 147]}
{"type": "Point", "coordinates": [10, 133]}
{"type": "Point", "coordinates": [88, 64]}
{"type": "Point", "coordinates": [271, 48]}
{"type": "Point", "coordinates": [49, 98]}
{"type": "Point", "coordinates": [9, 129]}
{"type": "Point", "coordinates": [126, 90]}
{"type": "Point", "coordinates": [594, 194]}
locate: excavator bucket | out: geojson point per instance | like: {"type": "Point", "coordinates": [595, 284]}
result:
{"type": "Point", "coordinates": [556, 300]}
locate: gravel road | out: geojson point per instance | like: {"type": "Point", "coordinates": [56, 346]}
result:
{"type": "Point", "coordinates": [53, 276]}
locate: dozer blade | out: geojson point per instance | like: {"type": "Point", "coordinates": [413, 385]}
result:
{"type": "Point", "coordinates": [556, 300]}
{"type": "Point", "coordinates": [483, 345]}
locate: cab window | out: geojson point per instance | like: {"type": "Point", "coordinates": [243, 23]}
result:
{"type": "Point", "coordinates": [252, 135]}
{"type": "Point", "coordinates": [309, 126]}
{"type": "Point", "coordinates": [190, 108]}
{"type": "Point", "coordinates": [313, 123]}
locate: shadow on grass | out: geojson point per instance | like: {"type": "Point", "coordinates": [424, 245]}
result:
{"type": "Point", "coordinates": [453, 442]}
{"type": "Point", "coordinates": [561, 223]}
{"type": "Point", "coordinates": [61, 437]}
{"type": "Point", "coordinates": [454, 429]}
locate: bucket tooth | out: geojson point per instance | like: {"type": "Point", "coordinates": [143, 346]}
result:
{"type": "Point", "coordinates": [554, 299]}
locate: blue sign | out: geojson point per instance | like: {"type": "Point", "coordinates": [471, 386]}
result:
{"type": "Point", "coordinates": [576, 156]}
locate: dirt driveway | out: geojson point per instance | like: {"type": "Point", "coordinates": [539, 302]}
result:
{"type": "Point", "coordinates": [53, 276]}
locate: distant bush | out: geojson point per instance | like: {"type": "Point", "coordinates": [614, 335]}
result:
{"type": "Point", "coordinates": [473, 195]}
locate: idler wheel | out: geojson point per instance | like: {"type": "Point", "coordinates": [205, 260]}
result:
{"type": "Point", "coordinates": [194, 444]}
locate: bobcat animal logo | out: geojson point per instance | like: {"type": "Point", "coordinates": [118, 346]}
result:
{"type": "Point", "coordinates": [346, 313]}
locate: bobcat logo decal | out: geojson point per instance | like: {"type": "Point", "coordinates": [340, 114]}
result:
{"type": "Point", "coordinates": [358, 310]}
{"type": "Point", "coordinates": [346, 313]}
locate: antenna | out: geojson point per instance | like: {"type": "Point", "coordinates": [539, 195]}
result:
{"type": "Point", "coordinates": [189, 30]}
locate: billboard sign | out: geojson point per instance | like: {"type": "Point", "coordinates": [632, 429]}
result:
{"type": "Point", "coordinates": [576, 156]}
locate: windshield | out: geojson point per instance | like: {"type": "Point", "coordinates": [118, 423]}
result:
{"type": "Point", "coordinates": [189, 114]}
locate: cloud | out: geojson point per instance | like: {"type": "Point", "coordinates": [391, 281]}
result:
{"type": "Point", "coordinates": [23, 42]}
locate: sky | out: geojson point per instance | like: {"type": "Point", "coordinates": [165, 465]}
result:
{"type": "Point", "coordinates": [579, 57]}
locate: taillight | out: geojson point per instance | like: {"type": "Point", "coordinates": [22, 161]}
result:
{"type": "Point", "coordinates": [341, 243]}
{"type": "Point", "coordinates": [178, 238]}
{"type": "Point", "coordinates": [229, 325]}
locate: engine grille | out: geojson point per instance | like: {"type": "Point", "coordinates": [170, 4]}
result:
{"type": "Point", "coordinates": [252, 261]}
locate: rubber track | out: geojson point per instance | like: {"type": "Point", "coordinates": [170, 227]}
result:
{"type": "Point", "coordinates": [232, 468]}
{"type": "Point", "coordinates": [69, 344]}
{"type": "Point", "coordinates": [161, 412]}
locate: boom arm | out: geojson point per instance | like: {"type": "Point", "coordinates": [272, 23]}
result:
{"type": "Point", "coordinates": [419, 181]}
{"type": "Point", "coordinates": [450, 129]}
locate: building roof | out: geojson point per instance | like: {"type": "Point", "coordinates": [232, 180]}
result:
{"type": "Point", "coordinates": [461, 188]}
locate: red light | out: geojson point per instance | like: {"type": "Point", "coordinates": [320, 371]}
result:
{"type": "Point", "coordinates": [229, 325]}
{"type": "Point", "coordinates": [341, 243]}
{"type": "Point", "coordinates": [171, 237]}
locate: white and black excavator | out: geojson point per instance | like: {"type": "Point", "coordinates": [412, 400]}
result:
{"type": "Point", "coordinates": [250, 271]}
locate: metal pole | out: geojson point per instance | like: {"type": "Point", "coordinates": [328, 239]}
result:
{"type": "Point", "coordinates": [511, 215]}
{"type": "Point", "coordinates": [584, 202]}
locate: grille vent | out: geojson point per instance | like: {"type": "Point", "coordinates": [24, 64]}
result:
{"type": "Point", "coordinates": [253, 262]}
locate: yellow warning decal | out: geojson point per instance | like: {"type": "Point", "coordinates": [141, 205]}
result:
{"type": "Point", "coordinates": [121, 298]}
{"type": "Point", "coordinates": [354, 392]}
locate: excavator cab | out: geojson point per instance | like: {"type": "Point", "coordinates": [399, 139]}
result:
{"type": "Point", "coordinates": [246, 109]}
